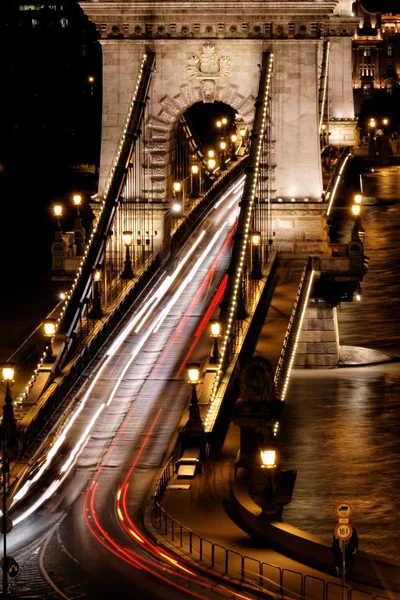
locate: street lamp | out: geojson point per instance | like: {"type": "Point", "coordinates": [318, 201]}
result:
{"type": "Point", "coordinates": [255, 263]}
{"type": "Point", "coordinates": [49, 331]}
{"type": "Point", "coordinates": [176, 187]}
{"type": "Point", "coordinates": [176, 208]}
{"type": "Point", "coordinates": [194, 421]}
{"type": "Point", "coordinates": [358, 231]}
{"type": "Point", "coordinates": [215, 334]}
{"type": "Point", "coordinates": [222, 146]}
{"type": "Point", "coordinates": [127, 273]}
{"type": "Point", "coordinates": [79, 231]}
{"type": "Point", "coordinates": [268, 458]}
{"type": "Point", "coordinates": [210, 154]}
{"type": "Point", "coordinates": [96, 312]}
{"type": "Point", "coordinates": [57, 209]}
{"type": "Point", "coordinates": [195, 180]}
{"type": "Point", "coordinates": [233, 146]}
{"type": "Point", "coordinates": [91, 82]}
{"type": "Point", "coordinates": [323, 134]}
{"type": "Point", "coordinates": [358, 294]}
{"type": "Point", "coordinates": [211, 164]}
{"type": "Point", "coordinates": [77, 200]}
{"type": "Point", "coordinates": [358, 198]}
{"type": "Point", "coordinates": [8, 430]}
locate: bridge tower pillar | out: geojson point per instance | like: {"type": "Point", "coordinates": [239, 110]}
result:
{"type": "Point", "coordinates": [340, 110]}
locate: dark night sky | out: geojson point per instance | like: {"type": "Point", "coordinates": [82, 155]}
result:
{"type": "Point", "coordinates": [390, 6]}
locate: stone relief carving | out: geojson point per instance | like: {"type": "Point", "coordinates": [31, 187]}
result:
{"type": "Point", "coordinates": [208, 90]}
{"type": "Point", "coordinates": [206, 68]}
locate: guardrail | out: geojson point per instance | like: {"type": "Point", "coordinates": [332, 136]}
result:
{"type": "Point", "coordinates": [246, 570]}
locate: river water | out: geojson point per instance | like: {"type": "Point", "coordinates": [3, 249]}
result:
{"type": "Point", "coordinates": [341, 427]}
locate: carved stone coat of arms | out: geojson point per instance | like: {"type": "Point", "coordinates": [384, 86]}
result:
{"type": "Point", "coordinates": [206, 68]}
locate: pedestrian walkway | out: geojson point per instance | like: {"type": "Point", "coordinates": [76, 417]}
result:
{"type": "Point", "coordinates": [194, 523]}
{"type": "Point", "coordinates": [195, 517]}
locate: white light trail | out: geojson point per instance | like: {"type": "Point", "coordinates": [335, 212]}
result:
{"type": "Point", "coordinates": [149, 306]}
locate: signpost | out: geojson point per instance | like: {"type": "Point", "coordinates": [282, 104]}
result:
{"type": "Point", "coordinates": [343, 532]}
{"type": "Point", "coordinates": [10, 565]}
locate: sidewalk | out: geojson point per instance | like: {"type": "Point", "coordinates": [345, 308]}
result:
{"type": "Point", "coordinates": [196, 526]}
{"type": "Point", "coordinates": [195, 521]}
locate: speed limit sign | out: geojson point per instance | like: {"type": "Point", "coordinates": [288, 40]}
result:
{"type": "Point", "coordinates": [343, 531]}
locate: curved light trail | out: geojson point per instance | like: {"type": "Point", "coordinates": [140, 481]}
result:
{"type": "Point", "coordinates": [201, 264]}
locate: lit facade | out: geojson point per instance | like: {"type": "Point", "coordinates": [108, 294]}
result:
{"type": "Point", "coordinates": [376, 50]}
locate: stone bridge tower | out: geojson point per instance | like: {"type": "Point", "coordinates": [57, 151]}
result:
{"type": "Point", "coordinates": [208, 51]}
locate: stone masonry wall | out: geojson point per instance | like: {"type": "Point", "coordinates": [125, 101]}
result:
{"type": "Point", "coordinates": [318, 344]}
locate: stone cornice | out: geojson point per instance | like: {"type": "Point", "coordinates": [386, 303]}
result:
{"type": "Point", "coordinates": [167, 8]}
{"type": "Point", "coordinates": [218, 20]}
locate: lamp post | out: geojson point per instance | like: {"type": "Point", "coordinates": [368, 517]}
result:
{"type": "Point", "coordinates": [57, 209]}
{"type": "Point", "coordinates": [91, 82]}
{"type": "Point", "coordinates": [215, 334]}
{"type": "Point", "coordinates": [233, 146]}
{"type": "Point", "coordinates": [176, 208]}
{"type": "Point", "coordinates": [224, 124]}
{"type": "Point", "coordinates": [269, 460]}
{"type": "Point", "coordinates": [8, 430]}
{"type": "Point", "coordinates": [97, 311]}
{"type": "Point", "coordinates": [49, 331]}
{"type": "Point", "coordinates": [255, 263]}
{"type": "Point", "coordinates": [211, 164]}
{"type": "Point", "coordinates": [79, 231]}
{"type": "Point", "coordinates": [323, 134]}
{"type": "Point", "coordinates": [358, 294]}
{"type": "Point", "coordinates": [77, 200]}
{"type": "Point", "coordinates": [222, 146]}
{"type": "Point", "coordinates": [358, 231]}
{"type": "Point", "coordinates": [194, 422]}
{"type": "Point", "coordinates": [219, 126]}
{"type": "Point", "coordinates": [127, 273]}
{"type": "Point", "coordinates": [372, 125]}
{"type": "Point", "coordinates": [195, 177]}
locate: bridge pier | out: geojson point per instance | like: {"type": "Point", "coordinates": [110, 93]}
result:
{"type": "Point", "coordinates": [318, 344]}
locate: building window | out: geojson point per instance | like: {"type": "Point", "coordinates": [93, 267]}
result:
{"type": "Point", "coordinates": [389, 88]}
{"type": "Point", "coordinates": [64, 22]}
{"type": "Point", "coordinates": [367, 89]}
{"type": "Point", "coordinates": [35, 22]}
{"type": "Point", "coordinates": [390, 51]}
{"type": "Point", "coordinates": [367, 52]}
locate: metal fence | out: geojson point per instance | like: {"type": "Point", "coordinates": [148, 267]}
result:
{"type": "Point", "coordinates": [260, 576]}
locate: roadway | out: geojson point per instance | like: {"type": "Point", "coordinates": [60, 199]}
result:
{"type": "Point", "coordinates": [84, 538]}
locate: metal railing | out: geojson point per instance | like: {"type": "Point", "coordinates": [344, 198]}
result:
{"type": "Point", "coordinates": [258, 575]}
{"type": "Point", "coordinates": [337, 173]}
{"type": "Point", "coordinates": [286, 358]}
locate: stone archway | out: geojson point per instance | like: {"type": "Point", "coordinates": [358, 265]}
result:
{"type": "Point", "coordinates": [159, 128]}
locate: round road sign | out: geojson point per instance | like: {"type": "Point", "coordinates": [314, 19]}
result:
{"type": "Point", "coordinates": [8, 525]}
{"type": "Point", "coordinates": [343, 531]}
{"type": "Point", "coordinates": [10, 564]}
{"type": "Point", "coordinates": [344, 509]}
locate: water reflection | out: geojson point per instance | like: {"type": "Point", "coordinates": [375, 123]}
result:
{"type": "Point", "coordinates": [344, 441]}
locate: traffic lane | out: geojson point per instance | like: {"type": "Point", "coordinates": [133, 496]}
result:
{"type": "Point", "coordinates": [109, 377]}
{"type": "Point", "coordinates": [103, 430]}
